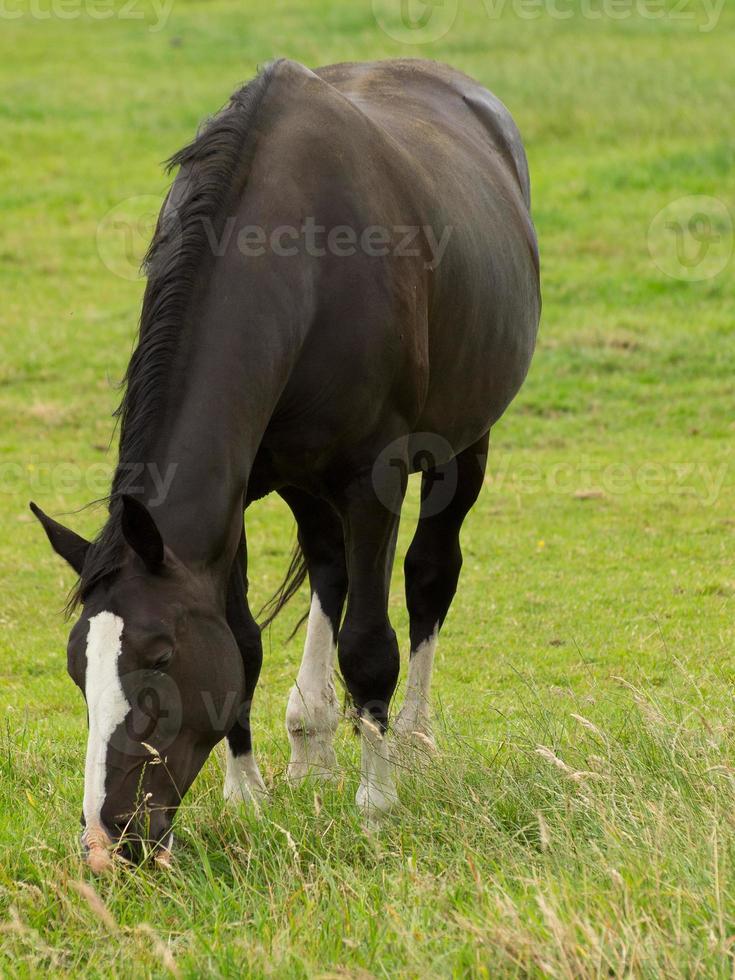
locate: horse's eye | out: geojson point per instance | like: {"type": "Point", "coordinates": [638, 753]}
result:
{"type": "Point", "coordinates": [160, 663]}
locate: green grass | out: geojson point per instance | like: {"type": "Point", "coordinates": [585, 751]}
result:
{"type": "Point", "coordinates": [598, 580]}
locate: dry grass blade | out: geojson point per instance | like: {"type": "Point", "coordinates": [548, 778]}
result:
{"type": "Point", "coordinates": [96, 904]}
{"type": "Point", "coordinates": [160, 948]}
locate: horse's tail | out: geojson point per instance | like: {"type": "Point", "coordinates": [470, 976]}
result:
{"type": "Point", "coordinates": [294, 579]}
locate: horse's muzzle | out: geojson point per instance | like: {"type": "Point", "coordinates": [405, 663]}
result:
{"type": "Point", "coordinates": [130, 841]}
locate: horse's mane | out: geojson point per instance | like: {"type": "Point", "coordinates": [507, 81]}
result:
{"type": "Point", "coordinates": [217, 160]}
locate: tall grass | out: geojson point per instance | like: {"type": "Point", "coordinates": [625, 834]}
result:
{"type": "Point", "coordinates": [580, 839]}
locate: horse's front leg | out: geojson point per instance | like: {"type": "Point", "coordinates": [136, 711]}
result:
{"type": "Point", "coordinates": [368, 650]}
{"type": "Point", "coordinates": [243, 781]}
{"type": "Point", "coordinates": [313, 710]}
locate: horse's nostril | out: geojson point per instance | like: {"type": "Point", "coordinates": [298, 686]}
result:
{"type": "Point", "coordinates": [130, 836]}
{"type": "Point", "coordinates": [131, 849]}
{"type": "Point", "coordinates": [135, 848]}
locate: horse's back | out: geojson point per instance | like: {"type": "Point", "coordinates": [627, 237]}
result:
{"type": "Point", "coordinates": [448, 332]}
{"type": "Point", "coordinates": [428, 104]}
{"type": "Point", "coordinates": [468, 168]}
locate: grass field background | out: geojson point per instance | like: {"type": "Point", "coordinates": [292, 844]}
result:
{"type": "Point", "coordinates": [579, 819]}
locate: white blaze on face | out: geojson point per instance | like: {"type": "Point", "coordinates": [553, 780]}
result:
{"type": "Point", "coordinates": [107, 707]}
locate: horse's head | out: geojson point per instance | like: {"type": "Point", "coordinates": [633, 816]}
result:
{"type": "Point", "coordinates": [162, 677]}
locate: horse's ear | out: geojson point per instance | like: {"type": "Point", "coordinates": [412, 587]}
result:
{"type": "Point", "coordinates": [64, 541]}
{"type": "Point", "coordinates": [140, 531]}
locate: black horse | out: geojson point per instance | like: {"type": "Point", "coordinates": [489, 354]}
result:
{"type": "Point", "coordinates": [343, 288]}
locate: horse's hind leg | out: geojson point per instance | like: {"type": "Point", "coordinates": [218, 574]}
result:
{"type": "Point", "coordinates": [432, 567]}
{"type": "Point", "coordinates": [313, 711]}
{"type": "Point", "coordinates": [243, 781]}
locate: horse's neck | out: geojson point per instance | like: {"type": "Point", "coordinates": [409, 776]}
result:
{"type": "Point", "coordinates": [193, 486]}
{"type": "Point", "coordinates": [222, 394]}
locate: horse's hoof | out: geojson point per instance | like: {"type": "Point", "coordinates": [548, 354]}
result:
{"type": "Point", "coordinates": [413, 747]}
{"type": "Point", "coordinates": [312, 755]}
{"type": "Point", "coordinates": [375, 802]}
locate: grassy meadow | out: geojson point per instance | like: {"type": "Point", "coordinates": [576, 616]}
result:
{"type": "Point", "coordinates": [580, 818]}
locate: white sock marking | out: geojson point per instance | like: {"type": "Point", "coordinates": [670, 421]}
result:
{"type": "Point", "coordinates": [413, 723]}
{"type": "Point", "coordinates": [313, 711]}
{"type": "Point", "coordinates": [377, 792]}
{"type": "Point", "coordinates": [107, 707]}
{"type": "Point", "coordinates": [243, 781]}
